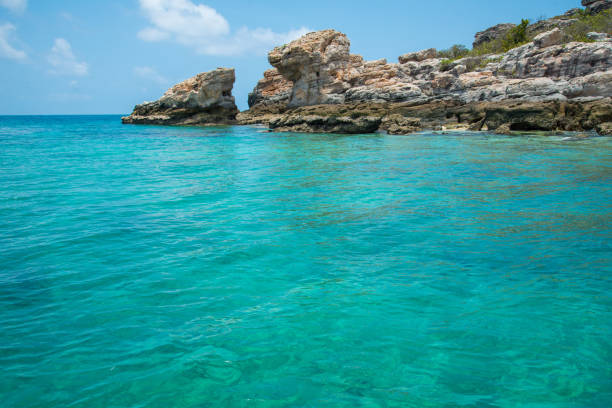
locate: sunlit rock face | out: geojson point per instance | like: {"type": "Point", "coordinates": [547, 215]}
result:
{"type": "Point", "coordinates": [317, 64]}
{"type": "Point", "coordinates": [204, 99]}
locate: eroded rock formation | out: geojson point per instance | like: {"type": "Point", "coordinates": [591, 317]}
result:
{"type": "Point", "coordinates": [547, 84]}
{"type": "Point", "coordinates": [317, 65]}
{"type": "Point", "coordinates": [204, 99]}
{"type": "Point", "coordinates": [316, 85]}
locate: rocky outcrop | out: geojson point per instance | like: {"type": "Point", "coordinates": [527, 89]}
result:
{"type": "Point", "coordinates": [599, 37]}
{"type": "Point", "coordinates": [204, 99]}
{"type": "Point", "coordinates": [317, 64]}
{"type": "Point", "coordinates": [397, 124]}
{"type": "Point", "coordinates": [304, 122]}
{"type": "Point", "coordinates": [604, 129]}
{"type": "Point", "coordinates": [404, 118]}
{"type": "Point", "coordinates": [317, 85]}
{"type": "Point", "coordinates": [597, 6]}
{"type": "Point", "coordinates": [542, 26]}
{"type": "Point", "coordinates": [418, 56]}
{"type": "Point", "coordinates": [273, 90]}
{"type": "Point", "coordinates": [492, 33]}
{"type": "Point", "coordinates": [549, 38]}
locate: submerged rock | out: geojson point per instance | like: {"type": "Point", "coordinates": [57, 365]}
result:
{"type": "Point", "coordinates": [204, 99]}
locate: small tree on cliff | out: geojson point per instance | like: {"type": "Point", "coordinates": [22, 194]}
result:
{"type": "Point", "coordinates": [455, 52]}
{"type": "Point", "coordinates": [516, 36]}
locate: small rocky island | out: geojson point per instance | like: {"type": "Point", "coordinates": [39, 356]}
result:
{"type": "Point", "coordinates": [549, 77]}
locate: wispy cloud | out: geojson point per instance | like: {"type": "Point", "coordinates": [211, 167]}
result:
{"type": "Point", "coordinates": [18, 6]}
{"type": "Point", "coordinates": [205, 30]}
{"type": "Point", "coordinates": [6, 49]}
{"type": "Point", "coordinates": [150, 74]}
{"type": "Point", "coordinates": [64, 62]}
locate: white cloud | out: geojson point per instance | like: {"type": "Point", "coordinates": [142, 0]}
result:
{"type": "Point", "coordinates": [150, 74]}
{"type": "Point", "coordinates": [6, 49]}
{"type": "Point", "coordinates": [64, 62]}
{"type": "Point", "coordinates": [204, 29]}
{"type": "Point", "coordinates": [17, 6]}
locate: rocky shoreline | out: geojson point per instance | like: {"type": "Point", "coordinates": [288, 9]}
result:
{"type": "Point", "coordinates": [316, 85]}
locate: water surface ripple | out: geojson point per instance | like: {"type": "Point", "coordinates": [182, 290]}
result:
{"type": "Point", "coordinates": [227, 267]}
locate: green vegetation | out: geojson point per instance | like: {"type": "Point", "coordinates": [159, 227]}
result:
{"type": "Point", "coordinates": [520, 35]}
{"type": "Point", "coordinates": [451, 55]}
{"type": "Point", "coordinates": [455, 52]}
{"type": "Point", "coordinates": [600, 23]}
{"type": "Point", "coordinates": [516, 37]}
{"type": "Point", "coordinates": [445, 65]}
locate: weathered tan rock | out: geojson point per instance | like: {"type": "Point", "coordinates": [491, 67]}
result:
{"type": "Point", "coordinates": [558, 62]}
{"type": "Point", "coordinates": [418, 56]}
{"type": "Point", "coordinates": [549, 38]}
{"type": "Point", "coordinates": [273, 90]}
{"type": "Point", "coordinates": [317, 64]}
{"type": "Point", "coordinates": [204, 99]}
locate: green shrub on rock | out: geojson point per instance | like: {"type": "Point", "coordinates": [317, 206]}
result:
{"type": "Point", "coordinates": [455, 52]}
{"type": "Point", "coordinates": [599, 23]}
{"type": "Point", "coordinates": [517, 36]}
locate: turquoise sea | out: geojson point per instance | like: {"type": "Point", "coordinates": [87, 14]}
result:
{"type": "Point", "coordinates": [229, 267]}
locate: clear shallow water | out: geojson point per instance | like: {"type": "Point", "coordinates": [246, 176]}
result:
{"type": "Point", "coordinates": [225, 267]}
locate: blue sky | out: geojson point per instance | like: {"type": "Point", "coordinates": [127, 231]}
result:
{"type": "Point", "coordinates": [104, 56]}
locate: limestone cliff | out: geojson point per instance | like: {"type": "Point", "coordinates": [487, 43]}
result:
{"type": "Point", "coordinates": [204, 99]}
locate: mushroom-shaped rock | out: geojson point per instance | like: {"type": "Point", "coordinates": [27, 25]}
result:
{"type": "Point", "coordinates": [317, 64]}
